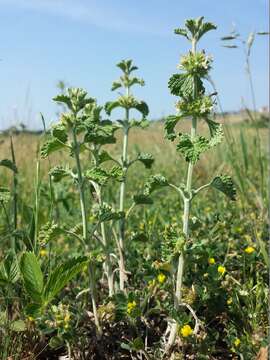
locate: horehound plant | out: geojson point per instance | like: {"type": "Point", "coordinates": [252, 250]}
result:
{"type": "Point", "coordinates": [83, 130]}
{"type": "Point", "coordinates": [64, 135]}
{"type": "Point", "coordinates": [194, 104]}
{"type": "Point", "coordinates": [127, 102]}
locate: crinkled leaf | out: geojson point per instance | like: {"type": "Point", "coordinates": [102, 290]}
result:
{"type": "Point", "coordinates": [127, 66]}
{"type": "Point", "coordinates": [98, 175]}
{"type": "Point", "coordinates": [135, 80]}
{"type": "Point", "coordinates": [51, 146]}
{"type": "Point", "coordinates": [75, 98]}
{"type": "Point", "coordinates": [127, 102]}
{"type": "Point", "coordinates": [101, 176]}
{"type": "Point", "coordinates": [116, 173]}
{"type": "Point", "coordinates": [181, 85]}
{"type": "Point", "coordinates": [107, 213]}
{"type": "Point", "coordinates": [111, 105]}
{"type": "Point", "coordinates": [198, 28]}
{"type": "Point", "coordinates": [147, 159]}
{"type": "Point", "coordinates": [104, 156]}
{"type": "Point", "coordinates": [170, 123]}
{"type": "Point", "coordinates": [59, 172]}
{"type": "Point", "coordinates": [191, 149]}
{"type": "Point", "coordinates": [182, 32]}
{"type": "Point", "coordinates": [101, 134]}
{"type": "Point", "coordinates": [142, 199]}
{"type": "Point", "coordinates": [225, 184]}
{"type": "Point", "coordinates": [59, 132]}
{"type": "Point", "coordinates": [62, 98]}
{"type": "Point", "coordinates": [142, 107]}
{"type": "Point", "coordinates": [216, 135]}
{"type": "Point", "coordinates": [155, 182]}
{"type": "Point", "coordinates": [143, 123]}
{"type": "Point", "coordinates": [116, 85]}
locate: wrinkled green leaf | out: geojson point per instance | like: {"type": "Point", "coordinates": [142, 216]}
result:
{"type": "Point", "coordinates": [225, 184]}
{"type": "Point", "coordinates": [142, 199]}
{"type": "Point", "coordinates": [191, 149]}
{"type": "Point", "coordinates": [147, 159]}
{"type": "Point", "coordinates": [107, 213]}
{"type": "Point", "coordinates": [155, 182]}
{"type": "Point", "coordinates": [51, 146]}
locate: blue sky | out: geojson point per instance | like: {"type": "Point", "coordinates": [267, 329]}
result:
{"type": "Point", "coordinates": [80, 41]}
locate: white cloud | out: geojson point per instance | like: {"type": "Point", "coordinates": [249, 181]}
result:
{"type": "Point", "coordinates": [104, 15]}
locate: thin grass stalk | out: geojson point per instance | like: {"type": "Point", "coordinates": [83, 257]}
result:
{"type": "Point", "coordinates": [37, 200]}
{"type": "Point", "coordinates": [15, 195]}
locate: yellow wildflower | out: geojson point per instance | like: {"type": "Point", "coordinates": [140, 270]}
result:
{"type": "Point", "coordinates": [161, 278]}
{"type": "Point", "coordinates": [186, 331]}
{"type": "Point", "coordinates": [221, 269]}
{"type": "Point", "coordinates": [31, 319]}
{"type": "Point", "coordinates": [249, 250]}
{"type": "Point", "coordinates": [67, 318]}
{"type": "Point", "coordinates": [211, 261]}
{"type": "Point", "coordinates": [237, 342]}
{"type": "Point", "coordinates": [229, 301]}
{"type": "Point", "coordinates": [131, 306]}
{"type": "Point", "coordinates": [43, 252]}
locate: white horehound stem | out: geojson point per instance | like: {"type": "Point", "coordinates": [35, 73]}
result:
{"type": "Point", "coordinates": [108, 264]}
{"type": "Point", "coordinates": [187, 204]}
{"type": "Point", "coordinates": [85, 236]}
{"type": "Point", "coordinates": [122, 271]}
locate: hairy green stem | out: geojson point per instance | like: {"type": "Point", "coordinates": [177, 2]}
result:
{"type": "Point", "coordinates": [84, 223]}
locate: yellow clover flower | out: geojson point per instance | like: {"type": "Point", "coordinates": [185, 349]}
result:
{"type": "Point", "coordinates": [161, 278]}
{"type": "Point", "coordinates": [186, 331]}
{"type": "Point", "coordinates": [237, 342]}
{"type": "Point", "coordinates": [221, 269]}
{"type": "Point", "coordinates": [229, 301]}
{"type": "Point", "coordinates": [43, 252]}
{"type": "Point", "coordinates": [131, 306]}
{"type": "Point", "coordinates": [211, 261]}
{"type": "Point", "coordinates": [249, 250]}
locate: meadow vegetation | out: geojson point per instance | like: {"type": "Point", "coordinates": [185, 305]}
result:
{"type": "Point", "coordinates": [136, 239]}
